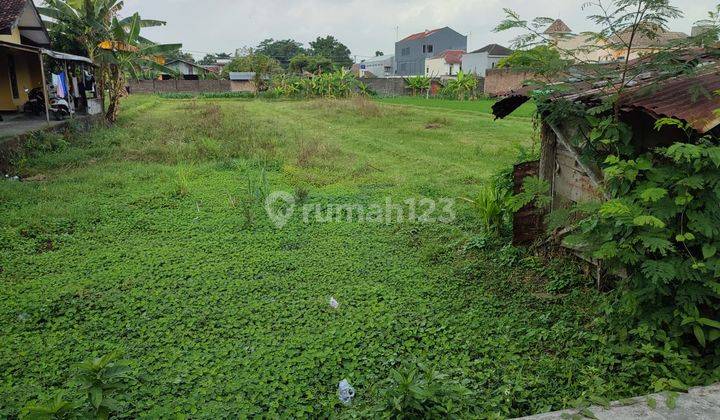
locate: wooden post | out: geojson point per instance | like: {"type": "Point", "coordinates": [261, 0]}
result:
{"type": "Point", "coordinates": [67, 93]}
{"type": "Point", "coordinates": [44, 87]}
{"type": "Point", "coordinates": [594, 174]}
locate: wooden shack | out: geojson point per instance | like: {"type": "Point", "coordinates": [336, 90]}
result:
{"type": "Point", "coordinates": [690, 98]}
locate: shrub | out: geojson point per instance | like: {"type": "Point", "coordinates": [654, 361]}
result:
{"type": "Point", "coordinates": [418, 392]}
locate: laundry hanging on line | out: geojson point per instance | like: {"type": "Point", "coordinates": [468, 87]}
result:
{"type": "Point", "coordinates": [58, 80]}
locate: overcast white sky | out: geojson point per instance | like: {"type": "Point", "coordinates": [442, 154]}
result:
{"type": "Point", "coordinates": [363, 25]}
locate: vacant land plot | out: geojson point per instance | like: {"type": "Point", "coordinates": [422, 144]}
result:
{"type": "Point", "coordinates": [481, 106]}
{"type": "Point", "coordinates": [150, 238]}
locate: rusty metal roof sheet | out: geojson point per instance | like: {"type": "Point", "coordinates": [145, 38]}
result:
{"type": "Point", "coordinates": [689, 98]}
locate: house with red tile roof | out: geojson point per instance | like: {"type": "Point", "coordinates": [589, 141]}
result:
{"type": "Point", "coordinates": [412, 51]}
{"type": "Point", "coordinates": [447, 63]}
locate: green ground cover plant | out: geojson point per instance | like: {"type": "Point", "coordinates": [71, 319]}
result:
{"type": "Point", "coordinates": [149, 238]}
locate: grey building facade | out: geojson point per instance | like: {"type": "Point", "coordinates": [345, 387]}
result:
{"type": "Point", "coordinates": [411, 52]}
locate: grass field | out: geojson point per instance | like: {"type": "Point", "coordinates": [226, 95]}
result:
{"type": "Point", "coordinates": [150, 238]}
{"type": "Point", "coordinates": [481, 106]}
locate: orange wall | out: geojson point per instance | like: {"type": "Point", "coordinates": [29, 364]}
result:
{"type": "Point", "coordinates": [27, 69]}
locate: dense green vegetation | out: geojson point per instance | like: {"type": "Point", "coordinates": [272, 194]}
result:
{"type": "Point", "coordinates": [149, 238]}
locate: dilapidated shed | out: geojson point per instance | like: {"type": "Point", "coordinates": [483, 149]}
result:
{"type": "Point", "coordinates": [691, 98]}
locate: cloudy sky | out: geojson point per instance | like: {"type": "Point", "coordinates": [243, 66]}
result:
{"type": "Point", "coordinates": [363, 25]}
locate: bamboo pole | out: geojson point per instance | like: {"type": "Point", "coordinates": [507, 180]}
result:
{"type": "Point", "coordinates": [44, 87]}
{"type": "Point", "coordinates": [68, 96]}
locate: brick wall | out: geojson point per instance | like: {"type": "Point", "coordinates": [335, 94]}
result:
{"type": "Point", "coordinates": [499, 82]}
{"type": "Point", "coordinates": [386, 86]}
{"type": "Point", "coordinates": [162, 86]}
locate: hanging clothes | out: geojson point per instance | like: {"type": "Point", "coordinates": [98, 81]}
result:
{"type": "Point", "coordinates": [76, 87]}
{"type": "Point", "coordinates": [60, 83]}
{"type": "Point", "coordinates": [55, 81]}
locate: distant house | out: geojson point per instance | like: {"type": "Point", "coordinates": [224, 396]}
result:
{"type": "Point", "coordinates": [412, 51]}
{"type": "Point", "coordinates": [484, 59]}
{"type": "Point", "coordinates": [188, 69]}
{"type": "Point", "coordinates": [243, 81]}
{"type": "Point", "coordinates": [588, 49]}
{"type": "Point", "coordinates": [447, 63]}
{"type": "Point", "coordinates": [380, 66]}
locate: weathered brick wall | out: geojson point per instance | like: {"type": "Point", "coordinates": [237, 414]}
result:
{"type": "Point", "coordinates": [387, 86]}
{"type": "Point", "coordinates": [396, 86]}
{"type": "Point", "coordinates": [499, 82]}
{"type": "Point", "coordinates": [142, 86]}
{"type": "Point", "coordinates": [163, 86]}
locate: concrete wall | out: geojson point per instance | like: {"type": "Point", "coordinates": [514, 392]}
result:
{"type": "Point", "coordinates": [165, 86]}
{"type": "Point", "coordinates": [480, 63]}
{"type": "Point", "coordinates": [499, 82]}
{"type": "Point", "coordinates": [413, 63]}
{"type": "Point", "coordinates": [438, 67]}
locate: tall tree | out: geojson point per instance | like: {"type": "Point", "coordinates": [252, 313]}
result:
{"type": "Point", "coordinates": [281, 50]}
{"type": "Point", "coordinates": [333, 49]}
{"type": "Point", "coordinates": [211, 59]}
{"type": "Point", "coordinates": [310, 63]}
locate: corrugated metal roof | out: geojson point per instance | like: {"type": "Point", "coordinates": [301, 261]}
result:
{"type": "Point", "coordinates": [64, 56]}
{"type": "Point", "coordinates": [691, 99]}
{"type": "Point", "coordinates": [240, 76]}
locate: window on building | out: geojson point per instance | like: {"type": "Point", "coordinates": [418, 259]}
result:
{"type": "Point", "coordinates": [13, 77]}
{"type": "Point", "coordinates": [429, 48]}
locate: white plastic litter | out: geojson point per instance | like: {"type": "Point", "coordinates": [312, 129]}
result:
{"type": "Point", "coordinates": [346, 392]}
{"type": "Point", "coordinates": [334, 303]}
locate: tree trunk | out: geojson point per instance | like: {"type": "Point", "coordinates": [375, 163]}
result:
{"type": "Point", "coordinates": [116, 83]}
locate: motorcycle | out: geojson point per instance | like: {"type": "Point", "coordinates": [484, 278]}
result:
{"type": "Point", "coordinates": [59, 107]}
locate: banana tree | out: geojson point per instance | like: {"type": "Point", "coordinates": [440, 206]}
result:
{"type": "Point", "coordinates": [91, 23]}
{"type": "Point", "coordinates": [462, 87]}
{"type": "Point", "coordinates": [126, 53]}
{"type": "Point", "coordinates": [87, 22]}
{"type": "Point", "coordinates": [418, 84]}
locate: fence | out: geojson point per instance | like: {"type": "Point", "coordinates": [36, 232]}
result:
{"type": "Point", "coordinates": [500, 82]}
{"type": "Point", "coordinates": [392, 86]}
{"type": "Point", "coordinates": [163, 86]}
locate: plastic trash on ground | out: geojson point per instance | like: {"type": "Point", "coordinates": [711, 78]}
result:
{"type": "Point", "coordinates": [345, 392]}
{"type": "Point", "coordinates": [334, 303]}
